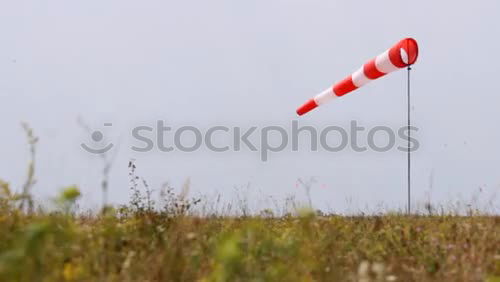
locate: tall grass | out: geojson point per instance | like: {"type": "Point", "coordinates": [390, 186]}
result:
{"type": "Point", "coordinates": [129, 245]}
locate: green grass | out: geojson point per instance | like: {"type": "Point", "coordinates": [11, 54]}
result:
{"type": "Point", "coordinates": [132, 245]}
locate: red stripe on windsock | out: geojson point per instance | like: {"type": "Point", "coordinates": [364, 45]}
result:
{"type": "Point", "coordinates": [345, 86]}
{"type": "Point", "coordinates": [309, 105]}
{"type": "Point", "coordinates": [371, 70]}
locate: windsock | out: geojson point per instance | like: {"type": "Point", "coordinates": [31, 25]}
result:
{"type": "Point", "coordinates": [401, 55]}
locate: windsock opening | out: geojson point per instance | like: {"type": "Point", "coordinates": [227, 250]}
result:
{"type": "Point", "coordinates": [404, 53]}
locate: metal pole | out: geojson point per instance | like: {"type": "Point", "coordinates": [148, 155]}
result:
{"type": "Point", "coordinates": [409, 135]}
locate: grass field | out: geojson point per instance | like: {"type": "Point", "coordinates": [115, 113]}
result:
{"type": "Point", "coordinates": [139, 243]}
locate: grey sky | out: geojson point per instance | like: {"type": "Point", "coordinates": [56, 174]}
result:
{"type": "Point", "coordinates": [228, 62]}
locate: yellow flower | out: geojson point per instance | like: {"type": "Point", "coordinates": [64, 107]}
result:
{"type": "Point", "coordinates": [71, 272]}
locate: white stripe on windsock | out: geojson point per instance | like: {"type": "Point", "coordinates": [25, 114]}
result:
{"type": "Point", "coordinates": [325, 96]}
{"type": "Point", "coordinates": [359, 78]}
{"type": "Point", "coordinates": [384, 64]}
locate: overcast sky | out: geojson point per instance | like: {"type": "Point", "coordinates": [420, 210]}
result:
{"type": "Point", "coordinates": [245, 63]}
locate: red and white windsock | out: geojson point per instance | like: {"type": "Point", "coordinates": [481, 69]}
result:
{"type": "Point", "coordinates": [401, 55]}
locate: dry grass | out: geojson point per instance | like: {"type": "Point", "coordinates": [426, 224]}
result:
{"type": "Point", "coordinates": [131, 245]}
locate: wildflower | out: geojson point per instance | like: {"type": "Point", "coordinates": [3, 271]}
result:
{"type": "Point", "coordinates": [363, 271]}
{"type": "Point", "coordinates": [71, 272]}
{"type": "Point", "coordinates": [70, 194]}
{"type": "Point", "coordinates": [391, 278]}
{"type": "Point", "coordinates": [378, 268]}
